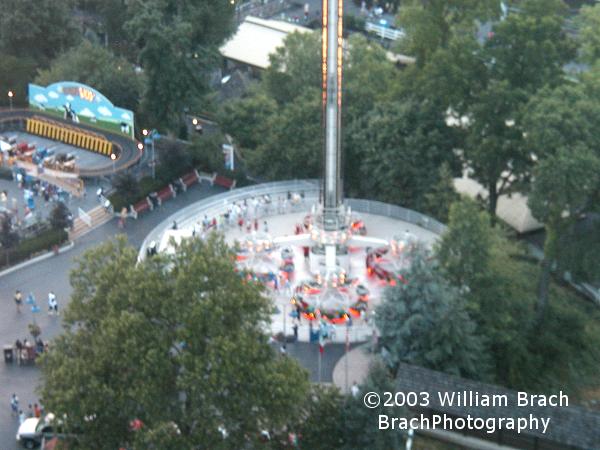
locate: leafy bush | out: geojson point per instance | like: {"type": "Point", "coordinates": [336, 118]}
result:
{"type": "Point", "coordinates": [127, 186]}
{"type": "Point", "coordinates": [43, 241]}
{"type": "Point", "coordinates": [144, 187]}
{"type": "Point", "coordinates": [27, 248]}
{"type": "Point", "coordinates": [59, 216]}
{"type": "Point", "coordinates": [354, 23]}
{"type": "Point", "coordinates": [148, 184]}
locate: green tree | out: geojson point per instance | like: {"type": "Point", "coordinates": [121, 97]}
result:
{"type": "Point", "coordinates": [331, 420]}
{"type": "Point", "coordinates": [295, 67]}
{"type": "Point", "coordinates": [8, 237]}
{"type": "Point", "coordinates": [566, 185]}
{"type": "Point", "coordinates": [464, 251]}
{"type": "Point", "coordinates": [246, 118]}
{"type": "Point", "coordinates": [429, 24]}
{"type": "Point", "coordinates": [441, 195]}
{"type": "Point", "coordinates": [561, 126]}
{"type": "Point", "coordinates": [361, 423]}
{"type": "Point", "coordinates": [15, 74]}
{"type": "Point", "coordinates": [98, 67]}
{"type": "Point", "coordinates": [425, 322]}
{"type": "Point", "coordinates": [589, 41]}
{"type": "Point", "coordinates": [292, 148]}
{"type": "Point", "coordinates": [526, 52]}
{"type": "Point", "coordinates": [178, 43]}
{"type": "Point", "coordinates": [321, 425]}
{"type": "Point", "coordinates": [486, 86]}
{"type": "Point", "coordinates": [529, 49]}
{"type": "Point", "coordinates": [39, 29]}
{"type": "Point", "coordinates": [111, 17]}
{"type": "Point", "coordinates": [562, 117]}
{"type": "Point", "coordinates": [59, 216]}
{"type": "Point", "coordinates": [169, 341]}
{"type": "Point", "coordinates": [493, 145]}
{"type": "Point", "coordinates": [403, 145]}
{"type": "Point", "coordinates": [127, 187]}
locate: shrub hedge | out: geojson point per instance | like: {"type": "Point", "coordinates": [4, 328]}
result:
{"type": "Point", "coordinates": [146, 186]}
{"type": "Point", "coordinates": [29, 247]}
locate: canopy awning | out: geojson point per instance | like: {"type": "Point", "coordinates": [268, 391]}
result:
{"type": "Point", "coordinates": [256, 39]}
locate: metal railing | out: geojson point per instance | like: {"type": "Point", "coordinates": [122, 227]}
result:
{"type": "Point", "coordinates": [396, 212]}
{"type": "Point", "coordinates": [310, 189]}
{"type": "Point", "coordinates": [385, 32]}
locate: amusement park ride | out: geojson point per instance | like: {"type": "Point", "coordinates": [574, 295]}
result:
{"type": "Point", "coordinates": [334, 284]}
{"type": "Point", "coordinates": [330, 232]}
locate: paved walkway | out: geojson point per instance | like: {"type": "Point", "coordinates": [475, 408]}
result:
{"type": "Point", "coordinates": [353, 367]}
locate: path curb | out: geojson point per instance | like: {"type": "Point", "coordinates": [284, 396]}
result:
{"type": "Point", "coordinates": [37, 259]}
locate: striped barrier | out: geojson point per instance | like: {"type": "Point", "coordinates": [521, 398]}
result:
{"type": "Point", "coordinates": [72, 136]}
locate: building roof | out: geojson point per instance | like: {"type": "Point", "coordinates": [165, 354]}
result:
{"type": "Point", "coordinates": [256, 39]}
{"type": "Point", "coordinates": [569, 426]}
{"type": "Point", "coordinates": [511, 208]}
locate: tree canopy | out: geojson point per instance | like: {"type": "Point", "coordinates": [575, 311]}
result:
{"type": "Point", "coordinates": [424, 321]}
{"type": "Point", "coordinates": [178, 42]}
{"type": "Point", "coordinates": [96, 66]}
{"type": "Point", "coordinates": [174, 342]}
{"type": "Point", "coordinates": [39, 29]}
{"type": "Point", "coordinates": [429, 25]}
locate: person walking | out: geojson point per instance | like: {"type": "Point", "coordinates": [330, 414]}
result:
{"type": "Point", "coordinates": [37, 411]}
{"type": "Point", "coordinates": [18, 300]}
{"type": "Point", "coordinates": [14, 405]}
{"type": "Point", "coordinates": [52, 303]}
{"type": "Point", "coordinates": [21, 417]}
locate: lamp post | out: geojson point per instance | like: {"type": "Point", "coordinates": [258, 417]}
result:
{"type": "Point", "coordinates": [149, 136]}
{"type": "Point", "coordinates": [113, 157]}
{"type": "Point", "coordinates": [11, 94]}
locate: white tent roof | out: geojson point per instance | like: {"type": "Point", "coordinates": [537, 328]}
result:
{"type": "Point", "coordinates": [256, 39]}
{"type": "Point", "coordinates": [511, 209]}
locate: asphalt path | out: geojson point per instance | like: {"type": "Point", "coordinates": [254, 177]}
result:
{"type": "Point", "coordinates": [53, 274]}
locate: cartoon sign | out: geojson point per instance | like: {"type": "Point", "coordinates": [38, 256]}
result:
{"type": "Point", "coordinates": [81, 104]}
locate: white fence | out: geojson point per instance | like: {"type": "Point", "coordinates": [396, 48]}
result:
{"type": "Point", "coordinates": [309, 189]}
{"type": "Point", "coordinates": [385, 32]}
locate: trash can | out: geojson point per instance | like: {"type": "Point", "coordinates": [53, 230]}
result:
{"type": "Point", "coordinates": [8, 354]}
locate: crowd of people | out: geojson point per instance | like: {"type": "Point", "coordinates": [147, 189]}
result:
{"type": "Point", "coordinates": [25, 350]}
{"type": "Point", "coordinates": [33, 410]}
{"type": "Point", "coordinates": [246, 214]}
{"type": "Point", "coordinates": [30, 300]}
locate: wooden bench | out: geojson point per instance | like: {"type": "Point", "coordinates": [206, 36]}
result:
{"type": "Point", "coordinates": [225, 182]}
{"type": "Point", "coordinates": [165, 194]}
{"type": "Point", "coordinates": [189, 179]}
{"type": "Point", "coordinates": [140, 207]}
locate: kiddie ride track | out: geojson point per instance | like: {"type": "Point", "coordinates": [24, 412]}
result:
{"type": "Point", "coordinates": [105, 143]}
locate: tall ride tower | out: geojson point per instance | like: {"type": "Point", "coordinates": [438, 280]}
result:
{"type": "Point", "coordinates": [332, 221]}
{"type": "Point", "coordinates": [332, 58]}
